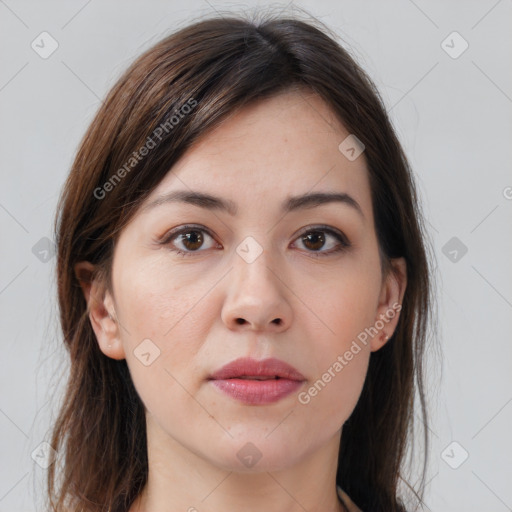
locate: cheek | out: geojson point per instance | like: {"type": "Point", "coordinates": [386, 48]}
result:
{"type": "Point", "coordinates": [163, 329]}
{"type": "Point", "coordinates": [347, 306]}
{"type": "Point", "coordinates": [155, 299]}
{"type": "Point", "coordinates": [331, 398]}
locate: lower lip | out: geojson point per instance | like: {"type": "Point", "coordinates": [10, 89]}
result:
{"type": "Point", "coordinates": [257, 392]}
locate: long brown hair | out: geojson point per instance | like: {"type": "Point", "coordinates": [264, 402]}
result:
{"type": "Point", "coordinates": [217, 66]}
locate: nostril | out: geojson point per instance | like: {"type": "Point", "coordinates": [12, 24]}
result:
{"type": "Point", "coordinates": [241, 321]}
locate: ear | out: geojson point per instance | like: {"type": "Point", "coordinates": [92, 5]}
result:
{"type": "Point", "coordinates": [102, 314]}
{"type": "Point", "coordinates": [390, 303]}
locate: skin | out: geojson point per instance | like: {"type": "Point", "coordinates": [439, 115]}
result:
{"type": "Point", "coordinates": [189, 306]}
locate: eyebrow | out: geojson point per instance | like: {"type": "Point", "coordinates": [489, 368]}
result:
{"type": "Point", "coordinates": [210, 202]}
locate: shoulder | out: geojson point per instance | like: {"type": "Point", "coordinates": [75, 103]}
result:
{"type": "Point", "coordinates": [351, 506]}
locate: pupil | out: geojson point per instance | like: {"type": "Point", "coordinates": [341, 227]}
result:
{"type": "Point", "coordinates": [195, 243]}
{"type": "Point", "coordinates": [318, 235]}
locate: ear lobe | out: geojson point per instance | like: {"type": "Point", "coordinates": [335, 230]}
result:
{"type": "Point", "coordinates": [101, 310]}
{"type": "Point", "coordinates": [390, 303]}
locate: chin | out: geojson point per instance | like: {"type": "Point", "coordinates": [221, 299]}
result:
{"type": "Point", "coordinates": [255, 453]}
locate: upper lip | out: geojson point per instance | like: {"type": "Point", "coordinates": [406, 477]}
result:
{"type": "Point", "coordinates": [248, 367]}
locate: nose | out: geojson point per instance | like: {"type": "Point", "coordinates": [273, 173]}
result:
{"type": "Point", "coordinates": [257, 297]}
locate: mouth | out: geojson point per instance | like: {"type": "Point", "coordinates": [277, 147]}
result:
{"type": "Point", "coordinates": [248, 368]}
{"type": "Point", "coordinates": [257, 382]}
{"type": "Point", "coordinates": [254, 377]}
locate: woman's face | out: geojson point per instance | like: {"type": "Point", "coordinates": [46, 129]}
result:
{"type": "Point", "coordinates": [257, 281]}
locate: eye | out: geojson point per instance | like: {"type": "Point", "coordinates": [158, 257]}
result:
{"type": "Point", "coordinates": [191, 238]}
{"type": "Point", "coordinates": [315, 238]}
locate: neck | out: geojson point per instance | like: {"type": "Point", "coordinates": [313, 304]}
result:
{"type": "Point", "coordinates": [179, 479]}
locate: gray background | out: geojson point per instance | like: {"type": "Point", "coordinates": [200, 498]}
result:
{"type": "Point", "coordinates": [453, 116]}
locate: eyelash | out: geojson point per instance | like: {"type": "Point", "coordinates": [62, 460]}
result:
{"type": "Point", "coordinates": [344, 243]}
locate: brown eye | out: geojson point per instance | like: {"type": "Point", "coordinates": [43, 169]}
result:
{"type": "Point", "coordinates": [187, 240]}
{"type": "Point", "coordinates": [316, 239]}
{"type": "Point", "coordinates": [192, 240]}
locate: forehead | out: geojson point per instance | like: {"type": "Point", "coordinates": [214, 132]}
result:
{"type": "Point", "coordinates": [283, 146]}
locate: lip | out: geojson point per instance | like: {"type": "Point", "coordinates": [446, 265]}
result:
{"type": "Point", "coordinates": [234, 380]}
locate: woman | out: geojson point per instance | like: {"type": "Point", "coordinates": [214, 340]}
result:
{"type": "Point", "coordinates": [243, 283]}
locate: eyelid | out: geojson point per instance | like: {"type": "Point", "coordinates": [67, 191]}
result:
{"type": "Point", "coordinates": [323, 227]}
{"type": "Point", "coordinates": [169, 235]}
{"type": "Point", "coordinates": [344, 242]}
